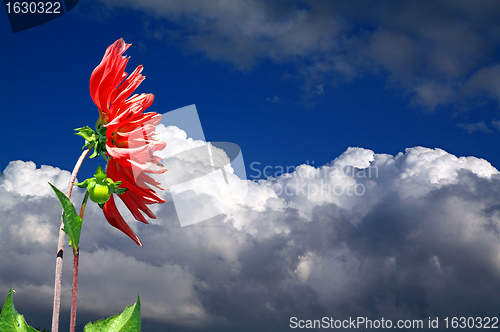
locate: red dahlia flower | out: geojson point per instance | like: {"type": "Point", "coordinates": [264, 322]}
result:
{"type": "Point", "coordinates": [130, 141]}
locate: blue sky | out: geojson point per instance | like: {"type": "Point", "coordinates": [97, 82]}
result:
{"type": "Point", "coordinates": [408, 87]}
{"type": "Point", "coordinates": [281, 99]}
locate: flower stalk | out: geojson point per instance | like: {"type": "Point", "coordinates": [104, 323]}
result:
{"type": "Point", "coordinates": [76, 258]}
{"type": "Point", "coordinates": [60, 249]}
{"type": "Point", "coordinates": [74, 291]}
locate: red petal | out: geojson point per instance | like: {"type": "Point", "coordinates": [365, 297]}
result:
{"type": "Point", "coordinates": [128, 86]}
{"type": "Point", "coordinates": [108, 74]}
{"type": "Point", "coordinates": [128, 181]}
{"type": "Point", "coordinates": [115, 219]}
{"type": "Point", "coordinates": [140, 155]}
{"type": "Point", "coordinates": [134, 205]}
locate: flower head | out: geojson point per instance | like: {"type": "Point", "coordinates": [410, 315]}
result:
{"type": "Point", "coordinates": [130, 141]}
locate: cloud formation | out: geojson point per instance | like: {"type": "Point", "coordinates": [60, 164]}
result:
{"type": "Point", "coordinates": [438, 52]}
{"type": "Point", "coordinates": [372, 235]}
{"type": "Point", "coordinates": [476, 126]}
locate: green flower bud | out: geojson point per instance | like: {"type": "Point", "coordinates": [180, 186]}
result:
{"type": "Point", "coordinates": [99, 193]}
{"type": "Point", "coordinates": [100, 187]}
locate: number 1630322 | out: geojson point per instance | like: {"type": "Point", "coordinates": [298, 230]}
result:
{"type": "Point", "coordinates": [33, 7]}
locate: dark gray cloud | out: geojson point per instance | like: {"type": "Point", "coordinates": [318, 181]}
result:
{"type": "Point", "coordinates": [371, 235]}
{"type": "Point", "coordinates": [439, 52]}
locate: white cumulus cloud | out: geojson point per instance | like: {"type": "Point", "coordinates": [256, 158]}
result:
{"type": "Point", "coordinates": [369, 234]}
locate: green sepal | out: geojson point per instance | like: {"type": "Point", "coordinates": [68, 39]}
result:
{"type": "Point", "coordinates": [115, 187]}
{"type": "Point", "coordinates": [100, 175]}
{"type": "Point", "coordinates": [94, 140]}
{"type": "Point", "coordinates": [101, 205]}
{"type": "Point", "coordinates": [11, 320]}
{"type": "Point", "coordinates": [83, 184]}
{"type": "Point", "coordinates": [95, 153]}
{"type": "Point", "coordinates": [120, 191]}
{"type": "Point", "coordinates": [101, 130]}
{"type": "Point", "coordinates": [72, 222]}
{"type": "Point", "coordinates": [111, 182]}
{"type": "Point", "coordinates": [87, 133]}
{"type": "Point", "coordinates": [101, 139]}
{"type": "Point", "coordinates": [128, 321]}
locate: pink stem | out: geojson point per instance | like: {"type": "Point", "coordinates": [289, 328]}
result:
{"type": "Point", "coordinates": [74, 290]}
{"type": "Point", "coordinates": [76, 258]}
{"type": "Point", "coordinates": [60, 250]}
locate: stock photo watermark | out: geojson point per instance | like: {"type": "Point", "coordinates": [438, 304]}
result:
{"type": "Point", "coordinates": [333, 171]}
{"type": "Point", "coordinates": [305, 180]}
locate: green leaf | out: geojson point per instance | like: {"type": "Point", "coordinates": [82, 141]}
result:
{"type": "Point", "coordinates": [72, 222]}
{"type": "Point", "coordinates": [128, 321]}
{"type": "Point", "coordinates": [11, 320]}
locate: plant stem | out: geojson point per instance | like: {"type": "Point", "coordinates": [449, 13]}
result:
{"type": "Point", "coordinates": [74, 288]}
{"type": "Point", "coordinates": [60, 250]}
